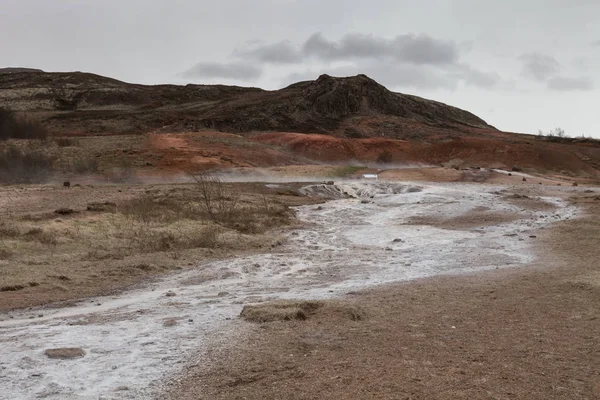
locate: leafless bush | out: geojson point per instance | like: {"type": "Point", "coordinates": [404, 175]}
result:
{"type": "Point", "coordinates": [221, 208]}
{"type": "Point", "coordinates": [84, 165]}
{"type": "Point", "coordinates": [8, 231]}
{"type": "Point", "coordinates": [42, 236]}
{"type": "Point", "coordinates": [167, 240]}
{"type": "Point", "coordinates": [12, 127]}
{"type": "Point", "coordinates": [148, 209]}
{"type": "Point", "coordinates": [385, 157]}
{"type": "Point", "coordinates": [24, 165]}
{"type": "Point", "coordinates": [5, 252]}
{"type": "Point", "coordinates": [66, 142]}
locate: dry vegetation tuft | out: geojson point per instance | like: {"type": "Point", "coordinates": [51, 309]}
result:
{"type": "Point", "coordinates": [65, 353]}
{"type": "Point", "coordinates": [289, 310]}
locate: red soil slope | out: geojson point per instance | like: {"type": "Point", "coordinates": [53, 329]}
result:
{"type": "Point", "coordinates": [570, 159]}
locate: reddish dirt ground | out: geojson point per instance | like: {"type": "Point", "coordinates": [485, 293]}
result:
{"type": "Point", "coordinates": [211, 150]}
{"type": "Point", "coordinates": [469, 151]}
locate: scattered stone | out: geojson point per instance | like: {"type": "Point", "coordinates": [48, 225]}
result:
{"type": "Point", "coordinates": [330, 183]}
{"type": "Point", "coordinates": [533, 236]}
{"type": "Point", "coordinates": [575, 184]}
{"type": "Point", "coordinates": [517, 168]}
{"type": "Point", "coordinates": [397, 240]}
{"type": "Point", "coordinates": [365, 202]}
{"type": "Point", "coordinates": [509, 174]}
{"type": "Point", "coordinates": [169, 322]}
{"type": "Point", "coordinates": [122, 389]}
{"type": "Point", "coordinates": [66, 184]}
{"type": "Point", "coordinates": [65, 353]}
{"type": "Point", "coordinates": [170, 294]}
{"type": "Point", "coordinates": [589, 191]}
{"type": "Point", "coordinates": [524, 179]}
{"type": "Point", "coordinates": [64, 211]}
{"type": "Point", "coordinates": [319, 208]}
{"type": "Point", "coordinates": [222, 294]}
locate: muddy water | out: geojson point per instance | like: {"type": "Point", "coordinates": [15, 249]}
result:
{"type": "Point", "coordinates": [359, 240]}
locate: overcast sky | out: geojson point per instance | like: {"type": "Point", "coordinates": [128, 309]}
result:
{"type": "Point", "coordinates": [522, 65]}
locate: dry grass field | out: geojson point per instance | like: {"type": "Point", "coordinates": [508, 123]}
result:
{"type": "Point", "coordinates": [61, 243]}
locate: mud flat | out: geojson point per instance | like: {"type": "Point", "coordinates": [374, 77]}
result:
{"type": "Point", "coordinates": [372, 234]}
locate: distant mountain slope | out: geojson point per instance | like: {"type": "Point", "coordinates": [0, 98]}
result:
{"type": "Point", "coordinates": [12, 70]}
{"type": "Point", "coordinates": [356, 106]}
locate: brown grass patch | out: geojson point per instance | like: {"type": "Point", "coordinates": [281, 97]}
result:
{"type": "Point", "coordinates": [65, 353]}
{"type": "Point", "coordinates": [290, 310]}
{"type": "Point", "coordinates": [470, 220]}
{"type": "Point", "coordinates": [169, 322]}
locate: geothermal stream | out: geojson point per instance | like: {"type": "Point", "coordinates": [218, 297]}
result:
{"type": "Point", "coordinates": [349, 244]}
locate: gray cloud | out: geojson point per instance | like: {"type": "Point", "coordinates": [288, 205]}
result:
{"type": "Point", "coordinates": [409, 76]}
{"type": "Point", "coordinates": [235, 70]}
{"type": "Point", "coordinates": [474, 77]}
{"type": "Point", "coordinates": [283, 52]}
{"type": "Point", "coordinates": [568, 84]}
{"type": "Point", "coordinates": [539, 66]}
{"type": "Point", "coordinates": [409, 61]}
{"type": "Point", "coordinates": [408, 48]}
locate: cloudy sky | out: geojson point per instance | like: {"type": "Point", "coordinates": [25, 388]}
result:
{"type": "Point", "coordinates": [522, 65]}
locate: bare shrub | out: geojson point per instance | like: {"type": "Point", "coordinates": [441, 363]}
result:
{"type": "Point", "coordinates": [220, 207]}
{"type": "Point", "coordinates": [84, 164]}
{"type": "Point", "coordinates": [385, 157]}
{"type": "Point", "coordinates": [147, 209]}
{"type": "Point", "coordinates": [41, 236]}
{"type": "Point", "coordinates": [164, 240]}
{"type": "Point", "coordinates": [66, 141]}
{"type": "Point", "coordinates": [12, 127]}
{"type": "Point", "coordinates": [24, 165]}
{"type": "Point", "coordinates": [8, 230]}
{"type": "Point", "coordinates": [5, 253]}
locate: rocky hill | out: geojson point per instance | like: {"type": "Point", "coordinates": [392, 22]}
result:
{"type": "Point", "coordinates": [82, 103]}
